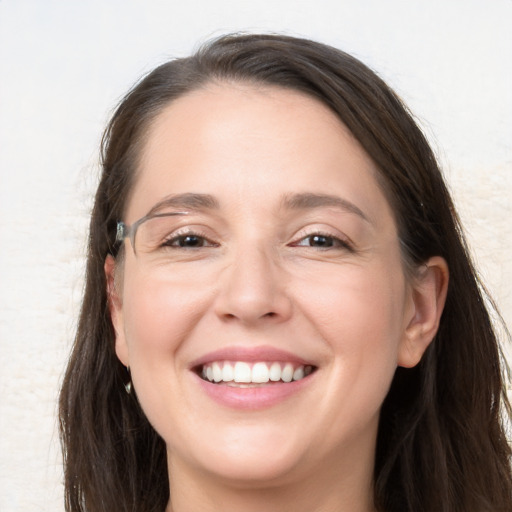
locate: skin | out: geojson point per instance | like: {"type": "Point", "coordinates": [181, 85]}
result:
{"type": "Point", "coordinates": [351, 312]}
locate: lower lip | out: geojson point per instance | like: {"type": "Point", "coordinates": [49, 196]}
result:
{"type": "Point", "coordinates": [253, 398]}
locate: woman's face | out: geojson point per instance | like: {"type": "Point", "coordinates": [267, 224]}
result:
{"type": "Point", "coordinates": [283, 263]}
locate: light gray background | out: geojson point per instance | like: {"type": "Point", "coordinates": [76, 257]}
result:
{"type": "Point", "coordinates": [65, 64]}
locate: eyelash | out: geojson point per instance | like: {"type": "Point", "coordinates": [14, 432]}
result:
{"type": "Point", "coordinates": [336, 242]}
{"type": "Point", "coordinates": [169, 242]}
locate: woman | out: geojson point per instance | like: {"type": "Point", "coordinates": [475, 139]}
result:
{"type": "Point", "coordinates": [280, 311]}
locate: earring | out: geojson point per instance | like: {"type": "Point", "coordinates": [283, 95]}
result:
{"type": "Point", "coordinates": [128, 385]}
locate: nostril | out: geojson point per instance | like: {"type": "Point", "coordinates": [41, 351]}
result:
{"type": "Point", "coordinates": [231, 316]}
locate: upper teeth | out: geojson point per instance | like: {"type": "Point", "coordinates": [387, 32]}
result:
{"type": "Point", "coordinates": [257, 373]}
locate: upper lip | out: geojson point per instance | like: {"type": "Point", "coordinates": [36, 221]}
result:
{"type": "Point", "coordinates": [249, 354]}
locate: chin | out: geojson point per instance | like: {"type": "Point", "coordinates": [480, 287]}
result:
{"type": "Point", "coordinates": [253, 472]}
{"type": "Point", "coordinates": [248, 459]}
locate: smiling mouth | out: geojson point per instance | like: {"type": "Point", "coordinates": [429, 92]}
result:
{"type": "Point", "coordinates": [244, 374]}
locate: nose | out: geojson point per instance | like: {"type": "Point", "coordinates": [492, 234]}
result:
{"type": "Point", "coordinates": [253, 290]}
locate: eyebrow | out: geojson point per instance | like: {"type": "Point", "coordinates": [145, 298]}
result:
{"type": "Point", "coordinates": [187, 201]}
{"type": "Point", "coordinates": [302, 201]}
{"type": "Point", "coordinates": [308, 201]}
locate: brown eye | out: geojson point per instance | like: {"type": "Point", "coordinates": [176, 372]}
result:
{"type": "Point", "coordinates": [320, 241]}
{"type": "Point", "coordinates": [323, 241]}
{"type": "Point", "coordinates": [190, 241]}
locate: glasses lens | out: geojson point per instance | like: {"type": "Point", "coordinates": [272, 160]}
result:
{"type": "Point", "coordinates": [154, 235]}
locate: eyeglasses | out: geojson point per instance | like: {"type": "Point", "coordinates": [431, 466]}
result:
{"type": "Point", "coordinates": [152, 233]}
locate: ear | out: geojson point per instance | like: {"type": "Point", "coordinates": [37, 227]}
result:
{"type": "Point", "coordinates": [115, 306]}
{"type": "Point", "coordinates": [429, 289]}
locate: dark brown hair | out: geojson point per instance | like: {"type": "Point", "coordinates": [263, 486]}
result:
{"type": "Point", "coordinates": [441, 443]}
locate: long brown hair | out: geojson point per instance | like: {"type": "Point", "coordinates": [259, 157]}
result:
{"type": "Point", "coordinates": [441, 443]}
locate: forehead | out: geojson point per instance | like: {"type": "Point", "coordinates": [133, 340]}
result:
{"type": "Point", "coordinates": [225, 116]}
{"type": "Point", "coordinates": [250, 143]}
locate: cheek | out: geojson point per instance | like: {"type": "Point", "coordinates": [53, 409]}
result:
{"type": "Point", "coordinates": [356, 298]}
{"type": "Point", "coordinates": [159, 317]}
{"type": "Point", "coordinates": [359, 313]}
{"type": "Point", "coordinates": [159, 314]}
